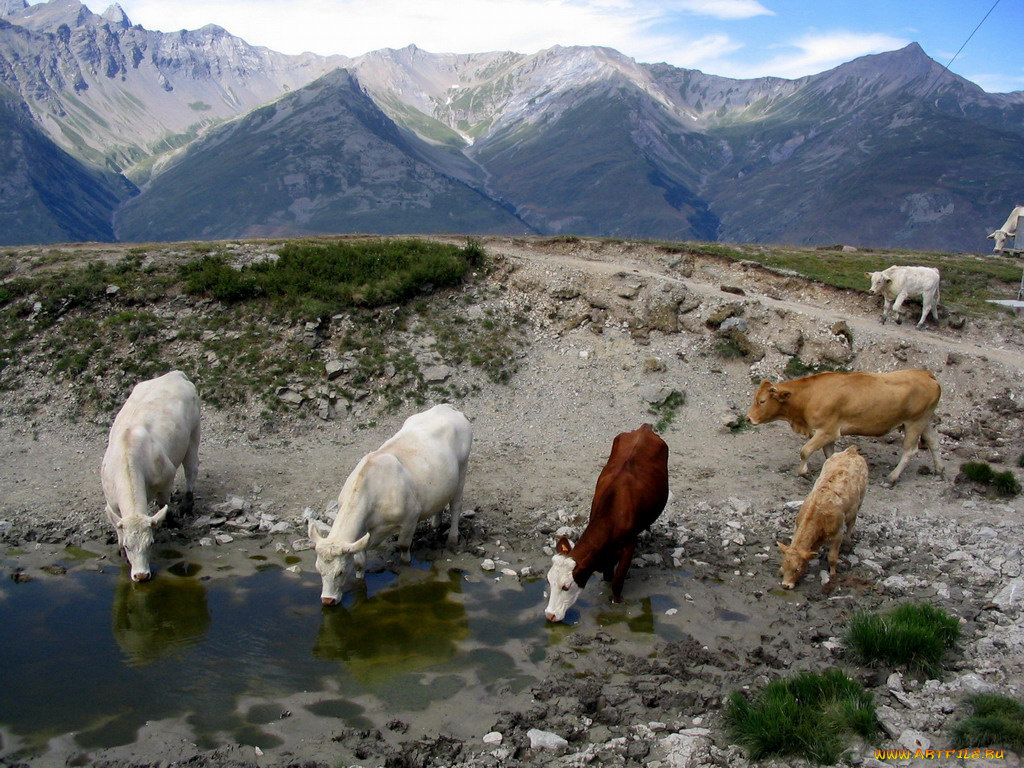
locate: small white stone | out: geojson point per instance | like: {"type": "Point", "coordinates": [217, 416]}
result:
{"type": "Point", "coordinates": [493, 738]}
{"type": "Point", "coordinates": [545, 740]}
{"type": "Point", "coordinates": [487, 564]}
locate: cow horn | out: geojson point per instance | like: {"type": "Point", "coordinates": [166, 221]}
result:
{"type": "Point", "coordinates": [356, 546]}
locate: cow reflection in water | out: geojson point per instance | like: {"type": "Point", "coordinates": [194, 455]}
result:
{"type": "Point", "coordinates": [399, 630]}
{"type": "Point", "coordinates": [160, 617]}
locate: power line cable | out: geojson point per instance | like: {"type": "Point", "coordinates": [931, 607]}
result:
{"type": "Point", "coordinates": [946, 68]}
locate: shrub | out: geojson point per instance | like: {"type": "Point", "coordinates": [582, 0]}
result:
{"type": "Point", "coordinates": [978, 472]}
{"type": "Point", "coordinates": [914, 636]}
{"type": "Point", "coordinates": [1004, 483]}
{"type": "Point", "coordinates": [997, 721]}
{"type": "Point", "coordinates": [809, 716]}
{"type": "Point", "coordinates": [666, 409]}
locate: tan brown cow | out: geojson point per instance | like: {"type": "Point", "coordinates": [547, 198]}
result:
{"type": "Point", "coordinates": [825, 406]}
{"type": "Point", "coordinates": [826, 516]}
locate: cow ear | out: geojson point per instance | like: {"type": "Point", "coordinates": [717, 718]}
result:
{"type": "Point", "coordinates": [564, 546]}
{"type": "Point", "coordinates": [783, 547]}
{"type": "Point", "coordinates": [782, 395]}
{"type": "Point", "coordinates": [313, 534]}
{"type": "Point", "coordinates": [357, 546]}
{"type": "Point", "coordinates": [868, 275]}
{"type": "Point", "coordinates": [159, 517]}
{"type": "Point", "coordinates": [114, 518]}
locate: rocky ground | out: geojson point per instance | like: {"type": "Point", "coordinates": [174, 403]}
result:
{"type": "Point", "coordinates": [611, 331]}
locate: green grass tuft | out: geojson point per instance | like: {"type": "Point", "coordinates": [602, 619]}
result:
{"type": "Point", "coordinates": [797, 368]}
{"type": "Point", "coordinates": [978, 472]}
{"type": "Point", "coordinates": [996, 721]}
{"type": "Point", "coordinates": [809, 715]}
{"type": "Point", "coordinates": [914, 636]}
{"type": "Point", "coordinates": [1004, 483]}
{"type": "Point", "coordinates": [666, 409]}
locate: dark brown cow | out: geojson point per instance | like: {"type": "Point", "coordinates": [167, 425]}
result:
{"type": "Point", "coordinates": [631, 492]}
{"type": "Point", "coordinates": [827, 405]}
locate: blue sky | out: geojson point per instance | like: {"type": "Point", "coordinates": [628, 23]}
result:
{"type": "Point", "coordinates": [734, 38]}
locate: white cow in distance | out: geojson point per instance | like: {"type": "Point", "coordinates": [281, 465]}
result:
{"type": "Point", "coordinates": [895, 284]}
{"type": "Point", "coordinates": [1009, 229]}
{"type": "Point", "coordinates": [155, 432]}
{"type": "Point", "coordinates": [412, 476]}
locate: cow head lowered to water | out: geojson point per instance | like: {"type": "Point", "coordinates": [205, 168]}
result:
{"type": "Point", "coordinates": [335, 561]}
{"type": "Point", "coordinates": [135, 538]}
{"type": "Point", "coordinates": [155, 432]}
{"type": "Point", "coordinates": [411, 477]}
{"type": "Point", "coordinates": [631, 492]}
{"type": "Point", "coordinates": [564, 591]}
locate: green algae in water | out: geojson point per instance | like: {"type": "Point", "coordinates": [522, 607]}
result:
{"type": "Point", "coordinates": [292, 559]}
{"type": "Point", "coordinates": [76, 552]}
{"type": "Point", "coordinates": [401, 630]}
{"type": "Point", "coordinates": [258, 557]}
{"type": "Point", "coordinates": [185, 570]}
{"type": "Point", "coordinates": [644, 623]}
{"type": "Point", "coordinates": [159, 617]}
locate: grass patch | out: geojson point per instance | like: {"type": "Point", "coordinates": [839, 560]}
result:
{"type": "Point", "coordinates": [665, 410]}
{"type": "Point", "coordinates": [913, 636]}
{"type": "Point", "coordinates": [250, 331]}
{"type": "Point", "coordinates": [318, 279]}
{"type": "Point", "coordinates": [809, 715]}
{"type": "Point", "coordinates": [741, 426]}
{"type": "Point", "coordinates": [995, 721]}
{"type": "Point", "coordinates": [1002, 483]}
{"type": "Point", "coordinates": [797, 368]}
{"type": "Point", "coordinates": [968, 281]}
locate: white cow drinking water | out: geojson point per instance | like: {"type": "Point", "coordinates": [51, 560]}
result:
{"type": "Point", "coordinates": [895, 284]}
{"type": "Point", "coordinates": [1009, 229]}
{"type": "Point", "coordinates": [155, 432]}
{"type": "Point", "coordinates": [411, 477]}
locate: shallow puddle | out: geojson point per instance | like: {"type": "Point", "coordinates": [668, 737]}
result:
{"type": "Point", "coordinates": [98, 656]}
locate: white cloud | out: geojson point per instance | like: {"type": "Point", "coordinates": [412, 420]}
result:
{"type": "Point", "coordinates": [637, 28]}
{"type": "Point", "coordinates": [998, 83]}
{"type": "Point", "coordinates": [814, 53]}
{"type": "Point", "coordinates": [724, 9]}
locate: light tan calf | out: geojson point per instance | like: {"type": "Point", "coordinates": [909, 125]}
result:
{"type": "Point", "coordinates": [826, 406]}
{"type": "Point", "coordinates": [827, 515]}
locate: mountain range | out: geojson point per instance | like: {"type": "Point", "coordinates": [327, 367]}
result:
{"type": "Point", "coordinates": [109, 131]}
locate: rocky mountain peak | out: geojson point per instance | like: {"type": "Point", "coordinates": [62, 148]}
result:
{"type": "Point", "coordinates": [45, 17]}
{"type": "Point", "coordinates": [115, 15]}
{"type": "Point", "coordinates": [12, 7]}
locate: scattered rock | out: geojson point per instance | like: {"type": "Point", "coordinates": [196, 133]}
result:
{"type": "Point", "coordinates": [545, 740]}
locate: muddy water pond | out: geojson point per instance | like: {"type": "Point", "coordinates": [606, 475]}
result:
{"type": "Point", "coordinates": [435, 645]}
